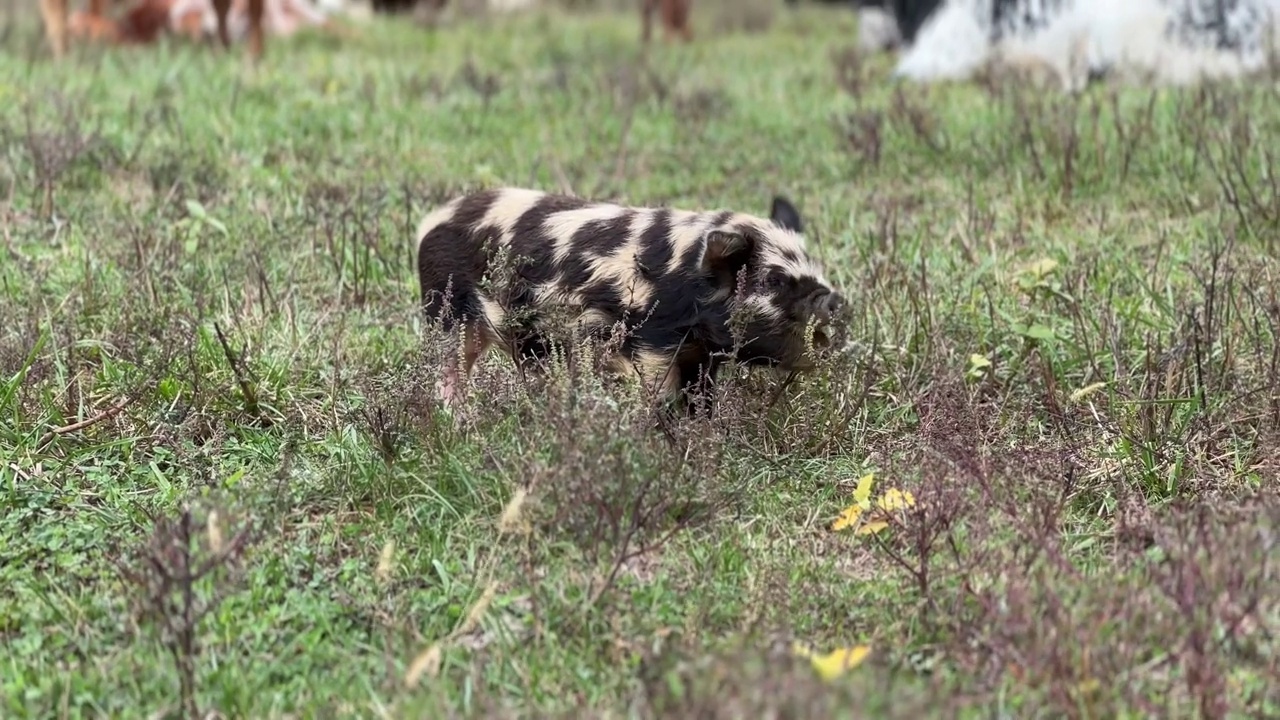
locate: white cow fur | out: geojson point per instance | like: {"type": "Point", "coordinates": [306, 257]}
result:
{"type": "Point", "coordinates": [1125, 39]}
{"type": "Point", "coordinates": [952, 44]}
{"type": "Point", "coordinates": [877, 30]}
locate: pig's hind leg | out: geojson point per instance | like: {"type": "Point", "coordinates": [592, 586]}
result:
{"type": "Point", "coordinates": [475, 340]}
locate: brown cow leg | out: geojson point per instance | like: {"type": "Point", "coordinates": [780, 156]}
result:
{"type": "Point", "coordinates": [256, 8]}
{"type": "Point", "coordinates": [221, 8]}
{"type": "Point", "coordinates": [54, 13]}
{"type": "Point", "coordinates": [646, 19]}
{"type": "Point", "coordinates": [675, 19]}
{"type": "Point", "coordinates": [682, 19]}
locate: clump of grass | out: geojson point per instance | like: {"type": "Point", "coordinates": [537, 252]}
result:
{"type": "Point", "coordinates": [180, 576]}
{"type": "Point", "coordinates": [54, 150]}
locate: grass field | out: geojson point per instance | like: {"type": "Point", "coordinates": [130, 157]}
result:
{"type": "Point", "coordinates": [227, 485]}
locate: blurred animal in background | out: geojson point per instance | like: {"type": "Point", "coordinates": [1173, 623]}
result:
{"type": "Point", "coordinates": [228, 20]}
{"type": "Point", "coordinates": [93, 24]}
{"type": "Point", "coordinates": [393, 7]}
{"type": "Point", "coordinates": [674, 15]}
{"type": "Point", "coordinates": [281, 18]}
{"type": "Point", "coordinates": [429, 12]}
{"type": "Point", "coordinates": [1074, 41]}
{"type": "Point", "coordinates": [141, 23]}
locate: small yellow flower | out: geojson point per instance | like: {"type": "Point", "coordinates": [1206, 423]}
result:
{"type": "Point", "coordinates": [893, 499]}
{"type": "Point", "coordinates": [871, 527]}
{"type": "Point", "coordinates": [833, 664]}
{"type": "Point", "coordinates": [848, 518]}
{"type": "Point", "coordinates": [1040, 268]}
{"type": "Point", "coordinates": [861, 503]}
{"type": "Point", "coordinates": [978, 365]}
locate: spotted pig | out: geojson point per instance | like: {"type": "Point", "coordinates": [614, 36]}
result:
{"type": "Point", "coordinates": [673, 278]}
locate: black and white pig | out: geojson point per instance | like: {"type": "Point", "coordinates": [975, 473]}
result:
{"type": "Point", "coordinates": [673, 277]}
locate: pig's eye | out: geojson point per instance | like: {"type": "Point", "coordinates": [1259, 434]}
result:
{"type": "Point", "coordinates": [776, 281]}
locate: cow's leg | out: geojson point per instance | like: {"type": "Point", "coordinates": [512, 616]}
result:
{"type": "Point", "coordinates": [681, 12]}
{"type": "Point", "coordinates": [54, 14]}
{"type": "Point", "coordinates": [256, 9]}
{"type": "Point", "coordinates": [646, 19]}
{"type": "Point", "coordinates": [222, 8]}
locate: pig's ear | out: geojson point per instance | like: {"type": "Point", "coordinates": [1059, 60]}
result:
{"type": "Point", "coordinates": [726, 253]}
{"type": "Point", "coordinates": [784, 214]}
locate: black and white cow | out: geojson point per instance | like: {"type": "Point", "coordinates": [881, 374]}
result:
{"type": "Point", "coordinates": [674, 278]}
{"type": "Point", "coordinates": [1172, 42]}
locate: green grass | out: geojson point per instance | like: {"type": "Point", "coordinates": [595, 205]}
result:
{"type": "Point", "coordinates": [228, 254]}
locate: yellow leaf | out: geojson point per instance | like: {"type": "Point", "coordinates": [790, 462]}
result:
{"type": "Point", "coordinates": [895, 499]}
{"type": "Point", "coordinates": [862, 495]}
{"type": "Point", "coordinates": [861, 502]}
{"type": "Point", "coordinates": [1042, 267]}
{"type": "Point", "coordinates": [977, 366]}
{"type": "Point", "coordinates": [833, 664]}
{"type": "Point", "coordinates": [871, 527]}
{"type": "Point", "coordinates": [848, 517]}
